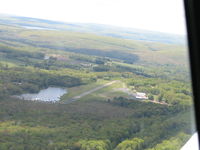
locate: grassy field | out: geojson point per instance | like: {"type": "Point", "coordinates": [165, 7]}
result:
{"type": "Point", "coordinates": [106, 93]}
{"type": "Point", "coordinates": [75, 91]}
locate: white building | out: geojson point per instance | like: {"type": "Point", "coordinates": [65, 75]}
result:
{"type": "Point", "coordinates": [140, 95]}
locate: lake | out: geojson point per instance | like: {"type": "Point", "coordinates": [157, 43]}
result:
{"type": "Point", "coordinates": [51, 94]}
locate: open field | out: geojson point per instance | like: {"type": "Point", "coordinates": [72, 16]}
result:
{"type": "Point", "coordinates": [106, 93]}
{"type": "Point", "coordinates": [74, 91]}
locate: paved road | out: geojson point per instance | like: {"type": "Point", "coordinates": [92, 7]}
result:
{"type": "Point", "coordinates": [88, 92]}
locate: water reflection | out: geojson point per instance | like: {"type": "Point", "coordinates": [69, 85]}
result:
{"type": "Point", "coordinates": [51, 94]}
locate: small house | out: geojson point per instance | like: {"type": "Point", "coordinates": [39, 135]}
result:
{"type": "Point", "coordinates": [140, 95]}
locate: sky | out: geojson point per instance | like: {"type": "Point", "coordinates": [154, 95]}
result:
{"type": "Point", "coordinates": [155, 15]}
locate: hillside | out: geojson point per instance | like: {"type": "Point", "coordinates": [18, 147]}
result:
{"type": "Point", "coordinates": [92, 44]}
{"type": "Point", "coordinates": [102, 75]}
{"type": "Point", "coordinates": [100, 29]}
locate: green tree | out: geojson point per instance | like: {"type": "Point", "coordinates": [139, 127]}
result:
{"type": "Point", "coordinates": [151, 97]}
{"type": "Point", "coordinates": [133, 144]}
{"type": "Point", "coordinates": [93, 145]}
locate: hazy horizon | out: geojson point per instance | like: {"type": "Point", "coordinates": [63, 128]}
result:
{"type": "Point", "coordinates": [108, 25]}
{"type": "Point", "coordinates": [165, 16]}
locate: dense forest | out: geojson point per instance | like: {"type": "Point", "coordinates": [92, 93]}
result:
{"type": "Point", "coordinates": [107, 119]}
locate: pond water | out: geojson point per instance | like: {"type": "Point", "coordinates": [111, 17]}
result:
{"type": "Point", "coordinates": [51, 94]}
